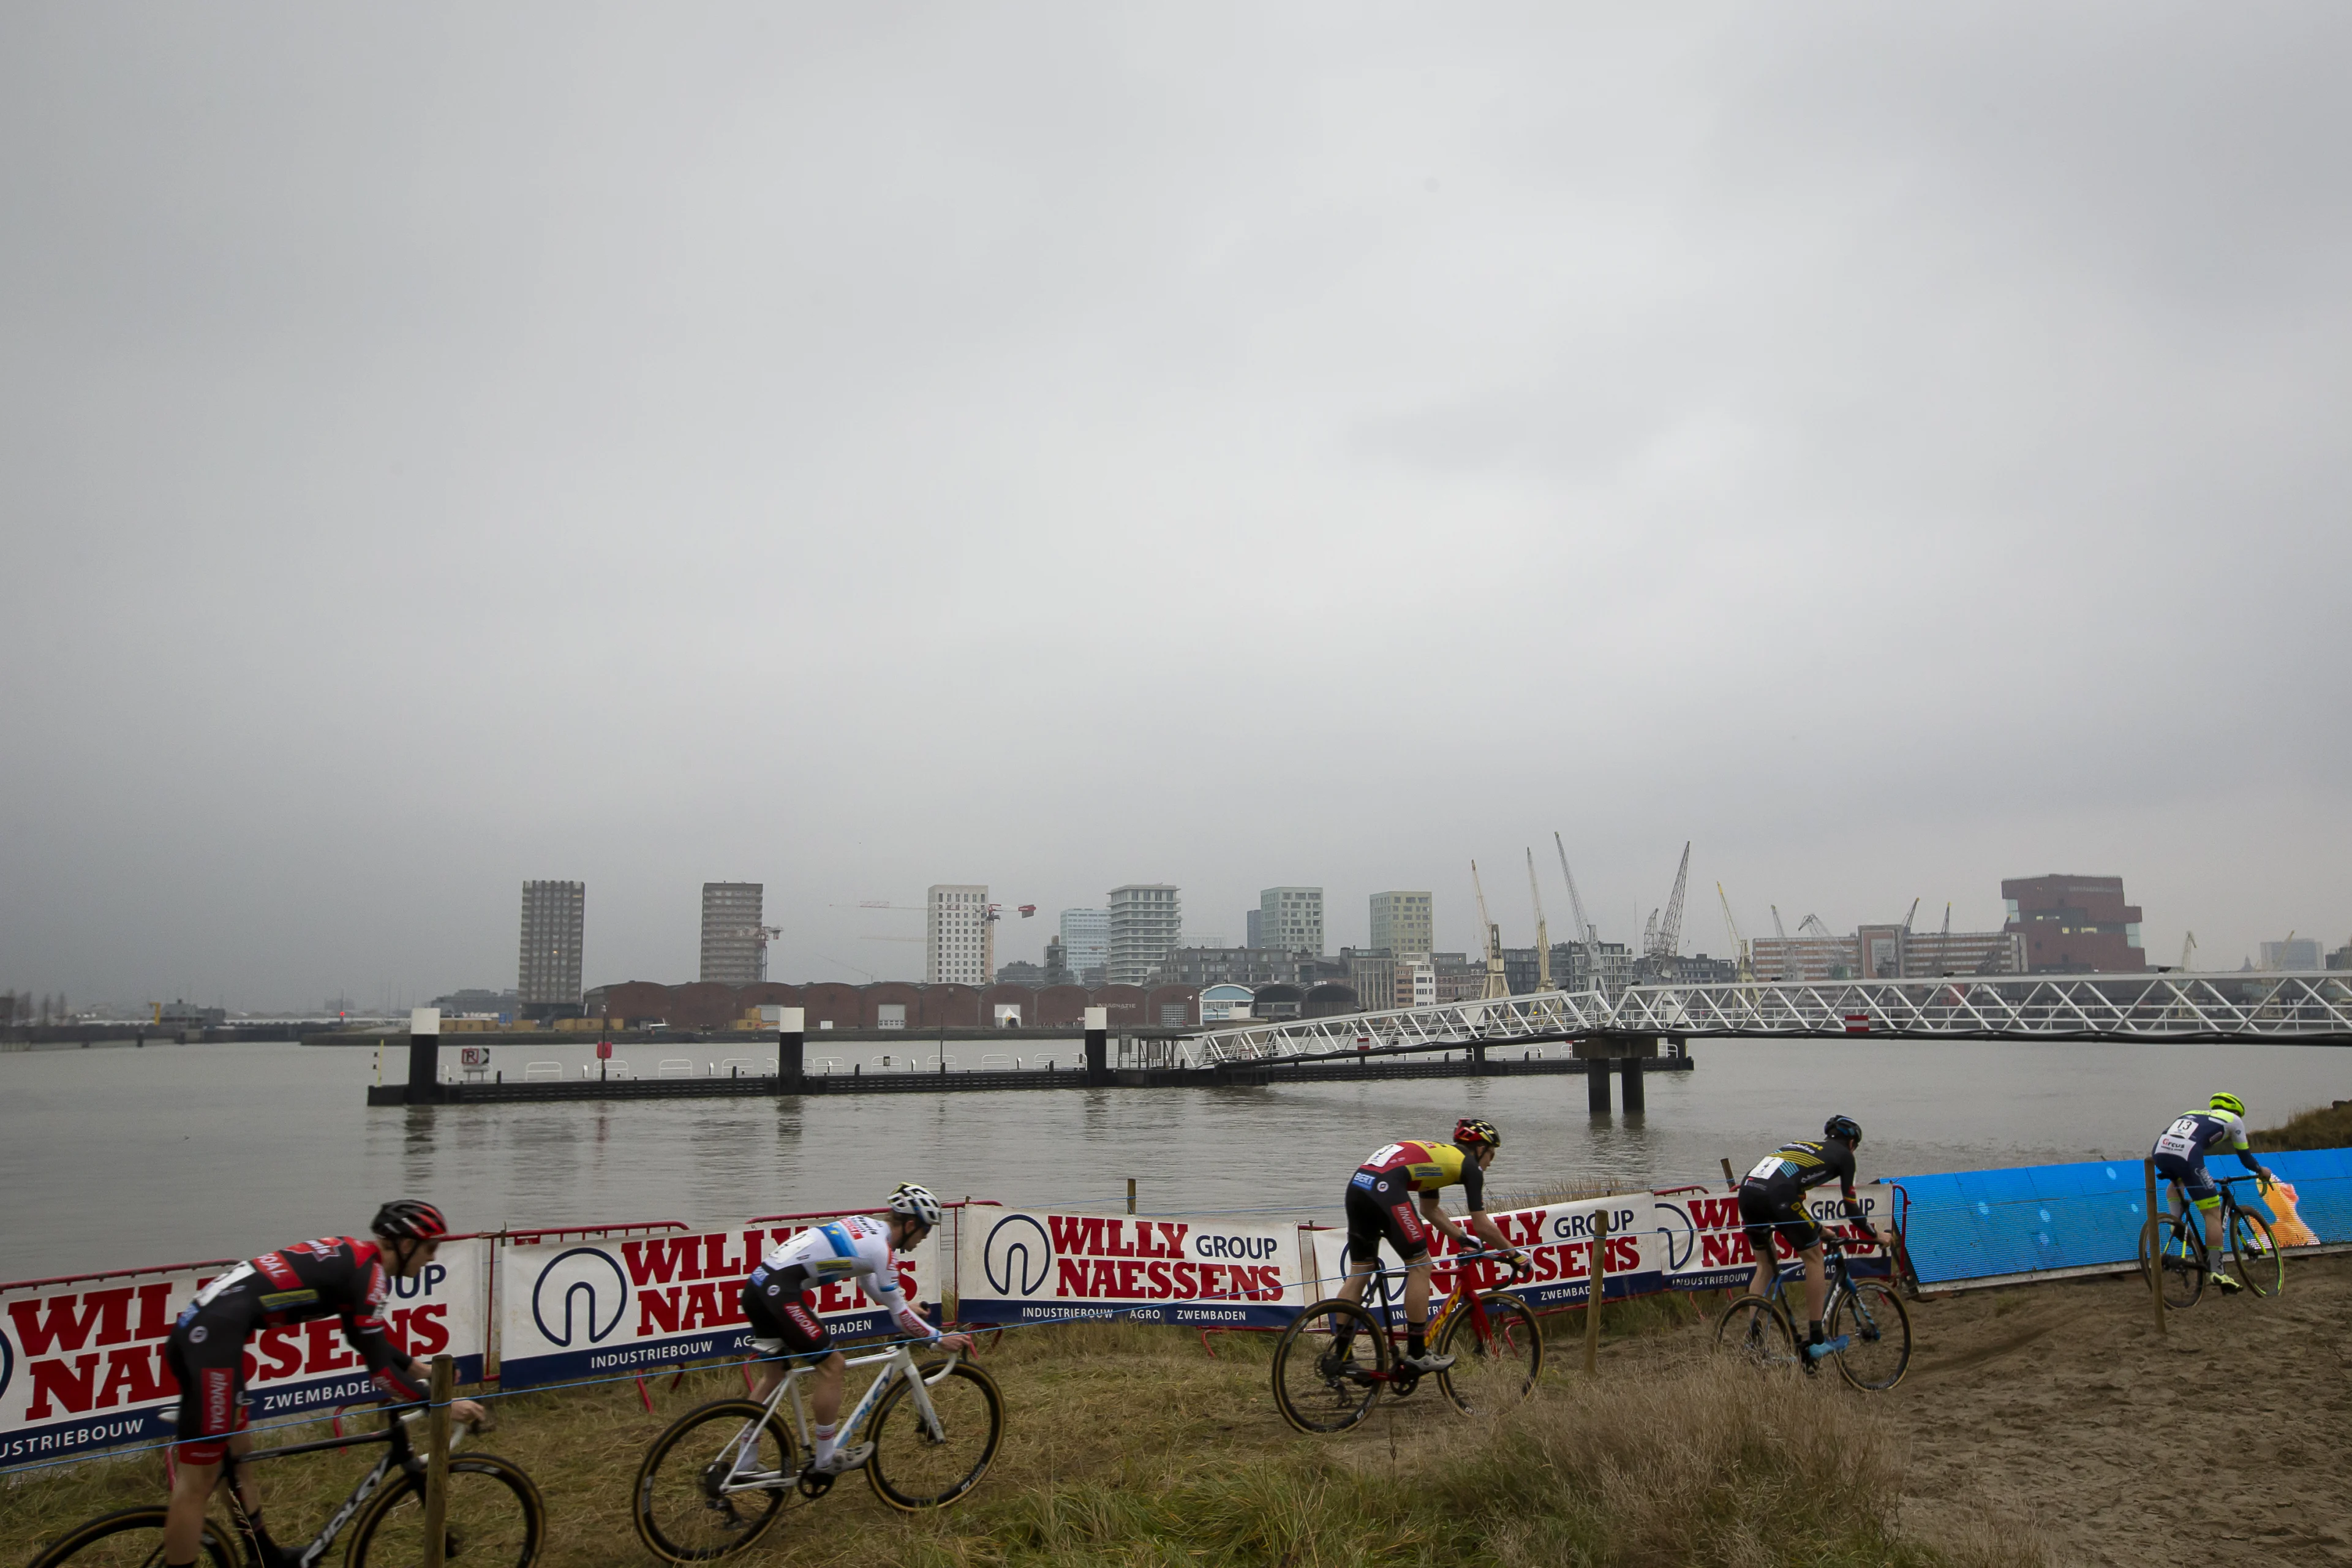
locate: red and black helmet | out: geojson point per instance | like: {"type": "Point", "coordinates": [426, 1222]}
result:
{"type": "Point", "coordinates": [410, 1219]}
{"type": "Point", "coordinates": [1478, 1131]}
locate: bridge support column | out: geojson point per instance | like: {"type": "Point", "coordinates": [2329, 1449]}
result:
{"type": "Point", "coordinates": [1629, 1079]}
{"type": "Point", "coordinates": [1596, 1085]}
{"type": "Point", "coordinates": [1097, 1048]}
{"type": "Point", "coordinates": [791, 1049]}
{"type": "Point", "coordinates": [1478, 1058]}
{"type": "Point", "coordinates": [423, 1056]}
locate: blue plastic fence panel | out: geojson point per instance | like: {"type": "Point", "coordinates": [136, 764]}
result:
{"type": "Point", "coordinates": [1973, 1225]}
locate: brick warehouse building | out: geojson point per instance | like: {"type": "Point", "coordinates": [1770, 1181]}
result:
{"type": "Point", "coordinates": [2074, 925]}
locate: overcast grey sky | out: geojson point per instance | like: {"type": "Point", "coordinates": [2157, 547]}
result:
{"type": "Point", "coordinates": [859, 448]}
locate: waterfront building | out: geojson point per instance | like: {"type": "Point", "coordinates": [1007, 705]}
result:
{"type": "Point", "coordinates": [1372, 974]}
{"type": "Point", "coordinates": [1290, 918]}
{"type": "Point", "coordinates": [734, 938]}
{"type": "Point", "coordinates": [1458, 977]}
{"type": "Point", "coordinates": [1252, 928]}
{"type": "Point", "coordinates": [959, 938]}
{"type": "Point", "coordinates": [1146, 923]}
{"type": "Point", "coordinates": [1416, 984]}
{"type": "Point", "coordinates": [1086, 944]}
{"type": "Point", "coordinates": [1235, 966]}
{"type": "Point", "coordinates": [1225, 1003]}
{"type": "Point", "coordinates": [1404, 924]}
{"type": "Point", "coordinates": [554, 916]}
{"type": "Point", "coordinates": [2294, 953]}
{"type": "Point", "coordinates": [2074, 925]}
{"type": "Point", "coordinates": [1886, 953]}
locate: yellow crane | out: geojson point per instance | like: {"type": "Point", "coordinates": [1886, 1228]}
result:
{"type": "Point", "coordinates": [1497, 982]}
{"type": "Point", "coordinates": [1543, 935]}
{"type": "Point", "coordinates": [1738, 942]}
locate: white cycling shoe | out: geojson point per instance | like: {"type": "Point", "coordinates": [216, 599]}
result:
{"type": "Point", "coordinates": [1425, 1363]}
{"type": "Point", "coordinates": [843, 1460]}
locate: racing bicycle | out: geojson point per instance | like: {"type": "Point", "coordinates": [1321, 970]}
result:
{"type": "Point", "coordinates": [1868, 1332]}
{"type": "Point", "coordinates": [1331, 1363]}
{"type": "Point", "coordinates": [724, 1472]}
{"type": "Point", "coordinates": [495, 1517]}
{"type": "Point", "coordinates": [2186, 1261]}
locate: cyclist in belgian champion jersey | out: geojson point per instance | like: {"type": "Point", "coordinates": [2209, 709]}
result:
{"type": "Point", "coordinates": [1381, 1197]}
{"type": "Point", "coordinates": [1771, 1203]}
{"type": "Point", "coordinates": [2180, 1157]}
{"type": "Point", "coordinates": [784, 1324]}
{"type": "Point", "coordinates": [343, 1277]}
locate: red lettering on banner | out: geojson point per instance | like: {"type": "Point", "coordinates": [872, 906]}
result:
{"type": "Point", "coordinates": [1069, 1277]}
{"type": "Point", "coordinates": [1105, 1280]}
{"type": "Point", "coordinates": [655, 1261]}
{"type": "Point", "coordinates": [65, 1329]}
{"type": "Point", "coordinates": [1130, 1272]}
{"type": "Point", "coordinates": [69, 1386]}
{"type": "Point", "coordinates": [428, 1329]}
{"type": "Point", "coordinates": [1188, 1281]}
{"type": "Point", "coordinates": [1171, 1239]}
{"type": "Point", "coordinates": [657, 1309]}
{"type": "Point", "coordinates": [1715, 1214]}
{"type": "Point", "coordinates": [327, 1353]}
{"type": "Point", "coordinates": [1212, 1279]}
{"type": "Point", "coordinates": [1160, 1288]}
{"type": "Point", "coordinates": [702, 1310]}
{"type": "Point", "coordinates": [155, 1311]}
{"type": "Point", "coordinates": [1074, 1234]}
{"type": "Point", "coordinates": [1114, 1240]}
{"type": "Point", "coordinates": [1624, 1254]}
{"type": "Point", "coordinates": [278, 1356]}
{"type": "Point", "coordinates": [133, 1372]}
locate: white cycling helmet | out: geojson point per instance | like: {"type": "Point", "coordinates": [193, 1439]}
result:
{"type": "Point", "coordinates": [917, 1203]}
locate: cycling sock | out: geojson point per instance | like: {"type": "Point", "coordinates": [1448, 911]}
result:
{"type": "Point", "coordinates": [1819, 1337]}
{"type": "Point", "coordinates": [1415, 1344]}
{"type": "Point", "coordinates": [825, 1433]}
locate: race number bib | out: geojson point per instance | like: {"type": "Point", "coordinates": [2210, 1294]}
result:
{"type": "Point", "coordinates": [2179, 1138]}
{"type": "Point", "coordinates": [1385, 1155]}
{"type": "Point", "coordinates": [1766, 1168]}
{"type": "Point", "coordinates": [210, 1292]}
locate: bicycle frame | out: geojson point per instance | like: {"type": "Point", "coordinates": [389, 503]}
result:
{"type": "Point", "coordinates": [901, 1359]}
{"type": "Point", "coordinates": [1465, 1294]}
{"type": "Point", "coordinates": [400, 1457]}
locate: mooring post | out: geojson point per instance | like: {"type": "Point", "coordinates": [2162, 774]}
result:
{"type": "Point", "coordinates": [792, 1049]}
{"type": "Point", "coordinates": [1596, 1084]}
{"type": "Point", "coordinates": [1630, 1071]}
{"type": "Point", "coordinates": [1131, 1194]}
{"type": "Point", "coordinates": [423, 1056]}
{"type": "Point", "coordinates": [1097, 1046]}
{"type": "Point", "coordinates": [2151, 1247]}
{"type": "Point", "coordinates": [1595, 1286]}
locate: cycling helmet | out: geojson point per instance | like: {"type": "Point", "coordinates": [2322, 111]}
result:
{"type": "Point", "coordinates": [1479, 1131]}
{"type": "Point", "coordinates": [1844, 1127]}
{"type": "Point", "coordinates": [916, 1203]}
{"type": "Point", "coordinates": [2228, 1102]}
{"type": "Point", "coordinates": [410, 1219]}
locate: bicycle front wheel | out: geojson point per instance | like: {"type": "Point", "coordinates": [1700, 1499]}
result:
{"type": "Point", "coordinates": [1497, 1351]}
{"type": "Point", "coordinates": [1754, 1331]}
{"type": "Point", "coordinates": [495, 1519]}
{"type": "Point", "coordinates": [1879, 1335]}
{"type": "Point", "coordinates": [1329, 1365]}
{"type": "Point", "coordinates": [691, 1503]}
{"type": "Point", "coordinates": [2260, 1263]}
{"type": "Point", "coordinates": [131, 1538]}
{"type": "Point", "coordinates": [2179, 1262]}
{"type": "Point", "coordinates": [930, 1460]}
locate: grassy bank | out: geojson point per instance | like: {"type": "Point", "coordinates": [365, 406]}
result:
{"type": "Point", "coordinates": [2328, 1127]}
{"type": "Point", "coordinates": [1128, 1445]}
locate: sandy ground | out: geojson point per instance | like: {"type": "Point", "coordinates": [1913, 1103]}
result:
{"type": "Point", "coordinates": [2228, 1440]}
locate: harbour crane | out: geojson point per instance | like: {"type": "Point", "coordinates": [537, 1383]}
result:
{"type": "Point", "coordinates": [1822, 951]}
{"type": "Point", "coordinates": [1586, 931]}
{"type": "Point", "coordinates": [1664, 939]}
{"type": "Point", "coordinates": [1543, 934]}
{"type": "Point", "coordinates": [1498, 983]}
{"type": "Point", "coordinates": [2188, 950]}
{"type": "Point", "coordinates": [762, 935]}
{"type": "Point", "coordinates": [1746, 970]}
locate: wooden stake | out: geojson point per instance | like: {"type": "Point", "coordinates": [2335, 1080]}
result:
{"type": "Point", "coordinates": [437, 1460]}
{"type": "Point", "coordinates": [1595, 1280]}
{"type": "Point", "coordinates": [2151, 1249]}
{"type": "Point", "coordinates": [1131, 1194]}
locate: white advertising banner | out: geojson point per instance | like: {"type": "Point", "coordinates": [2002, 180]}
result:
{"type": "Point", "coordinates": [580, 1306]}
{"type": "Point", "coordinates": [1558, 1239]}
{"type": "Point", "coordinates": [82, 1361]}
{"type": "Point", "coordinates": [1706, 1248]}
{"type": "Point", "coordinates": [1016, 1265]}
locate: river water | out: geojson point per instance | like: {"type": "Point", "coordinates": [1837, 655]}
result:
{"type": "Point", "coordinates": [121, 1157]}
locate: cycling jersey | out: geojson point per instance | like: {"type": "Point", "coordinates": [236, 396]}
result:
{"type": "Point", "coordinates": [1426, 1164]}
{"type": "Point", "coordinates": [2180, 1153]}
{"type": "Point", "coordinates": [1793, 1169]}
{"type": "Point", "coordinates": [857, 1248]}
{"type": "Point", "coordinates": [340, 1276]}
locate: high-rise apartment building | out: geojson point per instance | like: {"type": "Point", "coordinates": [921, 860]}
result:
{"type": "Point", "coordinates": [734, 938]}
{"type": "Point", "coordinates": [1404, 923]}
{"type": "Point", "coordinates": [959, 940]}
{"type": "Point", "coordinates": [553, 917]}
{"type": "Point", "coordinates": [1146, 923]}
{"type": "Point", "coordinates": [1252, 929]}
{"type": "Point", "coordinates": [1086, 944]}
{"type": "Point", "coordinates": [1290, 920]}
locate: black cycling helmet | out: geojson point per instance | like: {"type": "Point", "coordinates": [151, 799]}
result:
{"type": "Point", "coordinates": [410, 1219]}
{"type": "Point", "coordinates": [1844, 1127]}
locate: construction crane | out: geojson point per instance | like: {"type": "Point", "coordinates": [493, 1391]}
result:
{"type": "Point", "coordinates": [1823, 949]}
{"type": "Point", "coordinates": [1586, 931]}
{"type": "Point", "coordinates": [1543, 934]}
{"type": "Point", "coordinates": [1664, 939]}
{"type": "Point", "coordinates": [1498, 983]}
{"type": "Point", "coordinates": [2188, 950]}
{"type": "Point", "coordinates": [762, 935]}
{"type": "Point", "coordinates": [1739, 944]}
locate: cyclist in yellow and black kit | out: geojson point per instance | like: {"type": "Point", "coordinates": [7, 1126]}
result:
{"type": "Point", "coordinates": [1771, 1203]}
{"type": "Point", "coordinates": [1381, 1198]}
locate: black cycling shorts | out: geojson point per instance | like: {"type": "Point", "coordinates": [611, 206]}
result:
{"type": "Point", "coordinates": [1380, 1207]}
{"type": "Point", "coordinates": [207, 1358]}
{"type": "Point", "coordinates": [783, 1320]}
{"type": "Point", "coordinates": [1763, 1215]}
{"type": "Point", "coordinates": [2193, 1177]}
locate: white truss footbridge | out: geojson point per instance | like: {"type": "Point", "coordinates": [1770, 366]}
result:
{"type": "Point", "coordinates": [2300, 1009]}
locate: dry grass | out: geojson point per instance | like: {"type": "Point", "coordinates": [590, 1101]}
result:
{"type": "Point", "coordinates": [1128, 1445]}
{"type": "Point", "coordinates": [2328, 1127]}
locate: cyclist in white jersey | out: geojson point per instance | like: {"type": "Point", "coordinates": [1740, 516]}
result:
{"type": "Point", "coordinates": [861, 1249]}
{"type": "Point", "coordinates": [2180, 1157]}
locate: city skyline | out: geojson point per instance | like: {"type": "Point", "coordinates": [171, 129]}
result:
{"type": "Point", "coordinates": [1630, 412]}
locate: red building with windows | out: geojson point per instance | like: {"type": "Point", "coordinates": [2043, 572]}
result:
{"type": "Point", "coordinates": [2074, 925]}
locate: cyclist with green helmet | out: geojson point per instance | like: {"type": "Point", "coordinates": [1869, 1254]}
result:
{"type": "Point", "coordinates": [2180, 1157]}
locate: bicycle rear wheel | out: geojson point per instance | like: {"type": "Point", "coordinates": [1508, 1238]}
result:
{"type": "Point", "coordinates": [679, 1505]}
{"type": "Point", "coordinates": [1497, 1351]}
{"type": "Point", "coordinates": [2262, 1265]}
{"type": "Point", "coordinates": [2181, 1249]}
{"type": "Point", "coordinates": [495, 1519]}
{"type": "Point", "coordinates": [916, 1465]}
{"type": "Point", "coordinates": [131, 1538]}
{"type": "Point", "coordinates": [1878, 1333]}
{"type": "Point", "coordinates": [1755, 1331]}
{"type": "Point", "coordinates": [1322, 1382]}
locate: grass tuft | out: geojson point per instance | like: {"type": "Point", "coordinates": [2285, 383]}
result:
{"type": "Point", "coordinates": [2326, 1127]}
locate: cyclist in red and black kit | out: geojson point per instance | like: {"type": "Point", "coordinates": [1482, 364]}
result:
{"type": "Point", "coordinates": [1382, 1197]}
{"type": "Point", "coordinates": [340, 1276]}
{"type": "Point", "coordinates": [1771, 1203]}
